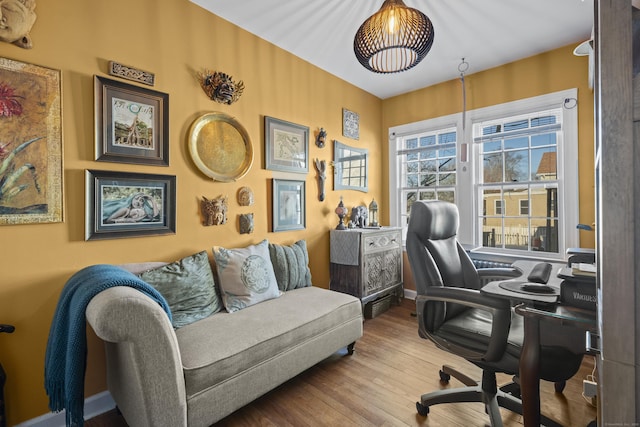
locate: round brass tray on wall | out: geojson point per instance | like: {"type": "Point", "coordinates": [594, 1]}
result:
{"type": "Point", "coordinates": [220, 147]}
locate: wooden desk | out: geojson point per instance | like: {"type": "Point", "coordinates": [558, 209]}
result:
{"type": "Point", "coordinates": [530, 357]}
{"type": "Point", "coordinates": [534, 309]}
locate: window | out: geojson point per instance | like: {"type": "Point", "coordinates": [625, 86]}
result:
{"type": "Point", "coordinates": [427, 167]}
{"type": "Point", "coordinates": [510, 168]}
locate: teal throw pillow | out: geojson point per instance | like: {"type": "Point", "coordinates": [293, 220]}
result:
{"type": "Point", "coordinates": [246, 276]}
{"type": "Point", "coordinates": [291, 265]}
{"type": "Point", "coordinates": [188, 286]}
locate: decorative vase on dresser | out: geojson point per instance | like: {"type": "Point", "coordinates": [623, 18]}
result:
{"type": "Point", "coordinates": [367, 263]}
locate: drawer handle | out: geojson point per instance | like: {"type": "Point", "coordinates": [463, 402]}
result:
{"type": "Point", "coordinates": [371, 243]}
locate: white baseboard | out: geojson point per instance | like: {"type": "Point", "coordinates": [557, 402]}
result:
{"type": "Point", "coordinates": [93, 406]}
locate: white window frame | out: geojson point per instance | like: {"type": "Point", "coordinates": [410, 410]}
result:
{"type": "Point", "coordinates": [469, 204]}
{"type": "Point", "coordinates": [495, 207]}
{"type": "Point", "coordinates": [520, 201]}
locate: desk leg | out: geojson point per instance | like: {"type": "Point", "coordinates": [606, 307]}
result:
{"type": "Point", "coordinates": [530, 372]}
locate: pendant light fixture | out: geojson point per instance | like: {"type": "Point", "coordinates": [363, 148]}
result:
{"type": "Point", "coordinates": [396, 38]}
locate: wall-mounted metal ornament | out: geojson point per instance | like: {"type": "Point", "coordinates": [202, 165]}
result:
{"type": "Point", "coordinates": [321, 167]}
{"type": "Point", "coordinates": [130, 73]}
{"type": "Point", "coordinates": [214, 211]}
{"type": "Point", "coordinates": [246, 223]}
{"type": "Point", "coordinates": [321, 138]}
{"type": "Point", "coordinates": [17, 18]}
{"type": "Point", "coordinates": [245, 196]}
{"type": "Point", "coordinates": [220, 87]}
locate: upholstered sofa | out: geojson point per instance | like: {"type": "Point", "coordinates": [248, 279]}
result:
{"type": "Point", "coordinates": [200, 372]}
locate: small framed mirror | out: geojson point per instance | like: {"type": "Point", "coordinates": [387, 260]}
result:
{"type": "Point", "coordinates": [350, 167]}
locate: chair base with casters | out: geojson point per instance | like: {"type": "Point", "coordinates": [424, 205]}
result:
{"type": "Point", "coordinates": [486, 392]}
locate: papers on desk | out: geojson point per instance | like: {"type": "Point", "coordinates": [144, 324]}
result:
{"type": "Point", "coordinates": [583, 269]}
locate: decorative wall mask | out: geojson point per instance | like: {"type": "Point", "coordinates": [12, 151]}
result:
{"type": "Point", "coordinates": [321, 166]}
{"type": "Point", "coordinates": [246, 223]}
{"type": "Point", "coordinates": [16, 19]}
{"type": "Point", "coordinates": [214, 210]}
{"type": "Point", "coordinates": [220, 87]}
{"type": "Point", "coordinates": [321, 139]}
{"type": "Point", "coordinates": [245, 196]}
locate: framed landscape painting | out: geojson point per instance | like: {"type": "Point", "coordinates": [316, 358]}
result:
{"type": "Point", "coordinates": [30, 143]}
{"type": "Point", "coordinates": [132, 123]}
{"type": "Point", "coordinates": [122, 204]}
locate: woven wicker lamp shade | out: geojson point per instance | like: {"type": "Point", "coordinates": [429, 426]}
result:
{"type": "Point", "coordinates": [396, 38]}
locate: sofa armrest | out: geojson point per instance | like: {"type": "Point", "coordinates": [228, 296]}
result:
{"type": "Point", "coordinates": [144, 368]}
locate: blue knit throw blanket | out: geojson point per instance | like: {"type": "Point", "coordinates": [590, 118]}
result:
{"type": "Point", "coordinates": [65, 359]}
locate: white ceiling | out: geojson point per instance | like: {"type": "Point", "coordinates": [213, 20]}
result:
{"type": "Point", "coordinates": [487, 33]}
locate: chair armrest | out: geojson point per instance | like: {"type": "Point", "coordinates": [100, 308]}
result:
{"type": "Point", "coordinates": [498, 273]}
{"type": "Point", "coordinates": [142, 357]}
{"type": "Point", "coordinates": [500, 310]}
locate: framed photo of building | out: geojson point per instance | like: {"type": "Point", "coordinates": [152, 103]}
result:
{"type": "Point", "coordinates": [286, 146]}
{"type": "Point", "coordinates": [122, 204]}
{"type": "Point", "coordinates": [288, 205]}
{"type": "Point", "coordinates": [132, 123]}
{"type": "Point", "coordinates": [31, 167]}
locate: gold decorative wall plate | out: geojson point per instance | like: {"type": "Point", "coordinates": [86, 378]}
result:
{"type": "Point", "coordinates": [220, 147]}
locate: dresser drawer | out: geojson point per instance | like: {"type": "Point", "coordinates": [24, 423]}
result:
{"type": "Point", "coordinates": [381, 241]}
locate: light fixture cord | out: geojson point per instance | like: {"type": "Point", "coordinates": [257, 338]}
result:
{"type": "Point", "coordinates": [463, 67]}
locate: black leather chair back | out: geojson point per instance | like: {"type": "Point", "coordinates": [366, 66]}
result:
{"type": "Point", "coordinates": [436, 257]}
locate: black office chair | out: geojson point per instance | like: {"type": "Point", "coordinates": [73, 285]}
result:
{"type": "Point", "coordinates": [459, 319]}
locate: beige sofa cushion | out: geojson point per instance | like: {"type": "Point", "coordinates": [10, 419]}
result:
{"type": "Point", "coordinates": [223, 345]}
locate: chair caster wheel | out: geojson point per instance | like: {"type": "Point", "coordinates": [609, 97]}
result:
{"type": "Point", "coordinates": [422, 410]}
{"type": "Point", "coordinates": [444, 377]}
{"type": "Point", "coordinates": [559, 386]}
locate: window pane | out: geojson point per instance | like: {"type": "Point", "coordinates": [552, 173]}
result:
{"type": "Point", "coordinates": [411, 143]}
{"type": "Point", "coordinates": [449, 152]}
{"type": "Point", "coordinates": [516, 125]}
{"type": "Point", "coordinates": [522, 142]}
{"type": "Point", "coordinates": [448, 179]}
{"type": "Point", "coordinates": [544, 139]}
{"type": "Point", "coordinates": [445, 138]}
{"type": "Point", "coordinates": [493, 168]}
{"type": "Point", "coordinates": [427, 140]}
{"type": "Point", "coordinates": [516, 233]}
{"type": "Point", "coordinates": [428, 180]}
{"type": "Point", "coordinates": [412, 167]}
{"type": "Point", "coordinates": [544, 163]}
{"type": "Point", "coordinates": [428, 154]}
{"type": "Point", "coordinates": [516, 164]}
{"type": "Point", "coordinates": [412, 180]}
{"type": "Point", "coordinates": [447, 196]}
{"type": "Point", "coordinates": [427, 195]}
{"type": "Point", "coordinates": [492, 199]}
{"type": "Point", "coordinates": [447, 165]}
{"type": "Point", "coordinates": [488, 147]}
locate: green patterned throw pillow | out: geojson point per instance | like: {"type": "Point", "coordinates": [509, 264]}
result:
{"type": "Point", "coordinates": [291, 265]}
{"type": "Point", "coordinates": [246, 276]}
{"type": "Point", "coordinates": [188, 286]}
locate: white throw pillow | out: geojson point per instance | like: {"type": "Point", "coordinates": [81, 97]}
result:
{"type": "Point", "coordinates": [245, 275]}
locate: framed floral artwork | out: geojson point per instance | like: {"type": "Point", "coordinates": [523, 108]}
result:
{"type": "Point", "coordinates": [30, 144]}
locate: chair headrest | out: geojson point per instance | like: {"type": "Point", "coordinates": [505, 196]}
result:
{"type": "Point", "coordinates": [434, 219]}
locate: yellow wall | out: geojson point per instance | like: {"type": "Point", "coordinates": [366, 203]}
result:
{"type": "Point", "coordinates": [173, 39]}
{"type": "Point", "coordinates": [538, 75]}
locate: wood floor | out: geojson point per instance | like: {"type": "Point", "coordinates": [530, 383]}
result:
{"type": "Point", "coordinates": [379, 384]}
